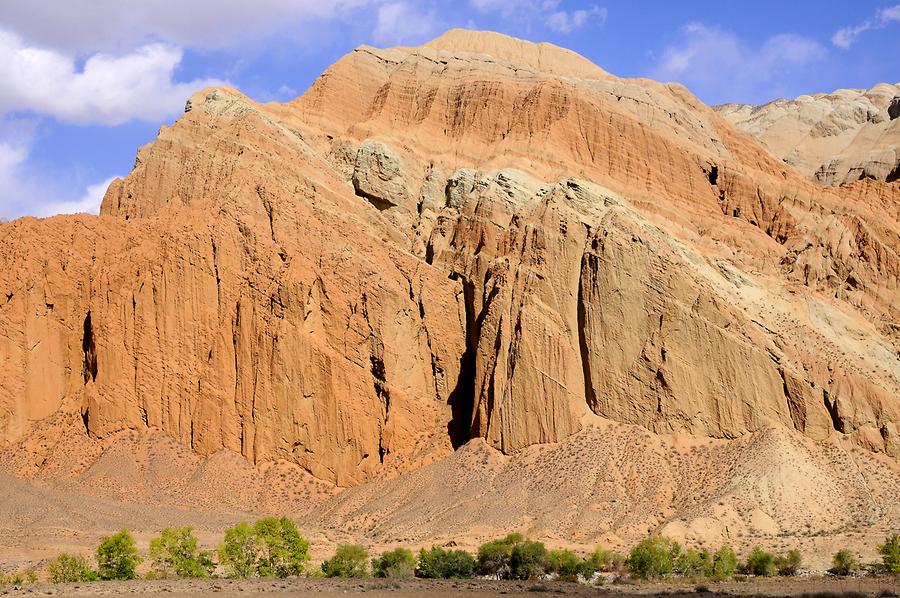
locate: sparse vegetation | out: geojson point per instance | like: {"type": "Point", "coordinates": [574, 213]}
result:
{"type": "Point", "coordinates": [653, 558]}
{"type": "Point", "coordinates": [528, 560]}
{"type": "Point", "coordinates": [271, 547]}
{"type": "Point", "coordinates": [399, 563]}
{"type": "Point", "coordinates": [694, 563]}
{"type": "Point", "coordinates": [70, 568]}
{"type": "Point", "coordinates": [174, 553]}
{"type": "Point", "coordinates": [438, 563]}
{"type": "Point", "coordinates": [602, 560]}
{"type": "Point", "coordinates": [349, 560]}
{"type": "Point", "coordinates": [494, 556]}
{"type": "Point", "coordinates": [238, 551]}
{"type": "Point", "coordinates": [117, 556]}
{"type": "Point", "coordinates": [844, 563]}
{"type": "Point", "coordinates": [724, 563]}
{"type": "Point", "coordinates": [788, 564]}
{"type": "Point", "coordinates": [283, 552]}
{"type": "Point", "coordinates": [760, 563]}
{"type": "Point", "coordinates": [565, 564]}
{"type": "Point", "coordinates": [890, 554]}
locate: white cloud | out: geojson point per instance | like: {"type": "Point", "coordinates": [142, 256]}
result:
{"type": "Point", "coordinates": [85, 26]}
{"type": "Point", "coordinates": [717, 65]}
{"type": "Point", "coordinates": [847, 36]}
{"type": "Point", "coordinates": [400, 22]}
{"type": "Point", "coordinates": [25, 192]}
{"type": "Point", "coordinates": [88, 203]}
{"type": "Point", "coordinates": [108, 90]}
{"type": "Point", "coordinates": [567, 22]}
{"type": "Point", "coordinates": [548, 12]}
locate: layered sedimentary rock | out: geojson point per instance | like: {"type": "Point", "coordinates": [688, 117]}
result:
{"type": "Point", "coordinates": [835, 138]}
{"type": "Point", "coordinates": [476, 238]}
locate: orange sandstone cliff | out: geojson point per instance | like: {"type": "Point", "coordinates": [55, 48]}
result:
{"type": "Point", "coordinates": [476, 238]}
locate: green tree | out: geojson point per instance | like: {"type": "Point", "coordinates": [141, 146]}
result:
{"type": "Point", "coordinates": [238, 553]}
{"type": "Point", "coordinates": [174, 553]}
{"type": "Point", "coordinates": [69, 568]}
{"type": "Point", "coordinates": [117, 556]}
{"type": "Point", "coordinates": [601, 560]}
{"type": "Point", "coordinates": [694, 563]}
{"type": "Point", "coordinates": [653, 558]}
{"type": "Point", "coordinates": [789, 564]}
{"type": "Point", "coordinates": [843, 563]}
{"type": "Point", "coordinates": [761, 563]}
{"type": "Point", "coordinates": [349, 560]}
{"type": "Point", "coordinates": [890, 554]}
{"type": "Point", "coordinates": [565, 564]}
{"type": "Point", "coordinates": [271, 547]}
{"type": "Point", "coordinates": [281, 550]}
{"type": "Point", "coordinates": [724, 563]}
{"type": "Point", "coordinates": [399, 563]}
{"type": "Point", "coordinates": [438, 563]}
{"type": "Point", "coordinates": [493, 556]}
{"type": "Point", "coordinates": [528, 560]}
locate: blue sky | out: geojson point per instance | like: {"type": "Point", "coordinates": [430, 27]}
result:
{"type": "Point", "coordinates": [84, 83]}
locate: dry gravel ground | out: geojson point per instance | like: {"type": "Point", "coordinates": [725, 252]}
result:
{"type": "Point", "coordinates": [469, 588]}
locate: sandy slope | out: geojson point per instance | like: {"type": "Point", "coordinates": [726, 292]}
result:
{"type": "Point", "coordinates": [611, 484]}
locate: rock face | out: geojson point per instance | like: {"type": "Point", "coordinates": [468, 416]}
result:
{"type": "Point", "coordinates": [476, 238]}
{"type": "Point", "coordinates": [835, 138]}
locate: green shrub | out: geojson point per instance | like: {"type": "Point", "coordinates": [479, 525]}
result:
{"type": "Point", "coordinates": [271, 547]}
{"type": "Point", "coordinates": [694, 563]}
{"type": "Point", "coordinates": [565, 564]}
{"type": "Point", "coordinates": [843, 563]}
{"type": "Point", "coordinates": [789, 564]}
{"type": "Point", "coordinates": [238, 553]}
{"type": "Point", "coordinates": [70, 568]}
{"type": "Point", "coordinates": [760, 563]}
{"type": "Point", "coordinates": [117, 556]}
{"type": "Point", "coordinates": [601, 560]}
{"type": "Point", "coordinates": [438, 563]}
{"type": "Point", "coordinates": [653, 558]}
{"type": "Point", "coordinates": [175, 554]}
{"type": "Point", "coordinates": [724, 563]}
{"type": "Point", "coordinates": [282, 551]}
{"type": "Point", "coordinates": [528, 560]}
{"type": "Point", "coordinates": [349, 560]}
{"type": "Point", "coordinates": [890, 554]}
{"type": "Point", "coordinates": [399, 563]}
{"type": "Point", "coordinates": [493, 556]}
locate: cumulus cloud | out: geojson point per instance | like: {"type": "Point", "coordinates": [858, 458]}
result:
{"type": "Point", "coordinates": [401, 22]}
{"type": "Point", "coordinates": [847, 36]}
{"type": "Point", "coordinates": [567, 22]}
{"type": "Point", "coordinates": [85, 26]}
{"type": "Point", "coordinates": [25, 192]}
{"type": "Point", "coordinates": [107, 90]}
{"type": "Point", "coordinates": [88, 203]}
{"type": "Point", "coordinates": [719, 66]}
{"type": "Point", "coordinates": [548, 12]}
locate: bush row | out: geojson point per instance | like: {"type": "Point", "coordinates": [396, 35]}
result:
{"type": "Point", "coordinates": [273, 547]}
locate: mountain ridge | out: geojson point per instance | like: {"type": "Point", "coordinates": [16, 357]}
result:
{"type": "Point", "coordinates": [418, 256]}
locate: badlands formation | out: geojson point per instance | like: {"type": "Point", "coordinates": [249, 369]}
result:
{"type": "Point", "coordinates": [834, 138]}
{"type": "Point", "coordinates": [472, 287]}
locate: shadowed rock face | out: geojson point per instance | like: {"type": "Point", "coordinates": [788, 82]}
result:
{"type": "Point", "coordinates": [835, 138]}
{"type": "Point", "coordinates": [477, 238]}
